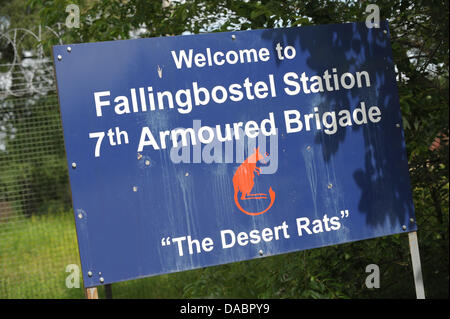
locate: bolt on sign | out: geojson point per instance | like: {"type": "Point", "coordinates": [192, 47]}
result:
{"type": "Point", "coordinates": [199, 150]}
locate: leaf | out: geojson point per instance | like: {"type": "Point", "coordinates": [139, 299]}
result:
{"type": "Point", "coordinates": [256, 13]}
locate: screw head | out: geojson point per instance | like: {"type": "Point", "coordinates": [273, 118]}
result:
{"type": "Point", "coordinates": [147, 162]}
{"type": "Point", "coordinates": [74, 165]}
{"type": "Point", "coordinates": [233, 37]}
{"type": "Point", "coordinates": [69, 49]}
{"type": "Point", "coordinates": [411, 220]}
{"type": "Point", "coordinates": [59, 57]}
{"type": "Point", "coordinates": [260, 252]}
{"type": "Point", "coordinates": [135, 188]}
{"type": "Point", "coordinates": [101, 279]}
{"type": "Point", "coordinates": [308, 147]}
{"type": "Point", "coordinates": [90, 273]}
{"type": "Point", "coordinates": [80, 215]}
{"type": "Point", "coordinates": [330, 186]}
{"type": "Point", "coordinates": [397, 125]}
{"type": "Point", "coordinates": [385, 31]}
{"type": "Point", "coordinates": [404, 227]}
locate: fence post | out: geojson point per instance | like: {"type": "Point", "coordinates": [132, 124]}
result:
{"type": "Point", "coordinates": [91, 293]}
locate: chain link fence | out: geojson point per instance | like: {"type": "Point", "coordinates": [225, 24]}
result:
{"type": "Point", "coordinates": [37, 234]}
{"type": "Point", "coordinates": [37, 229]}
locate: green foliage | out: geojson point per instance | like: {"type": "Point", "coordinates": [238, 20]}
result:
{"type": "Point", "coordinates": [17, 14]}
{"type": "Point", "coordinates": [329, 272]}
{"type": "Point", "coordinates": [33, 161]}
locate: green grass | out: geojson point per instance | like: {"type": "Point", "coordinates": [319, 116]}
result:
{"type": "Point", "coordinates": [34, 254]}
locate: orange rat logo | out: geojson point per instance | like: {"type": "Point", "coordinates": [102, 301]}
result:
{"type": "Point", "coordinates": [243, 181]}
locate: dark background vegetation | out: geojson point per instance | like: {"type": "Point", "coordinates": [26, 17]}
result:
{"type": "Point", "coordinates": [419, 39]}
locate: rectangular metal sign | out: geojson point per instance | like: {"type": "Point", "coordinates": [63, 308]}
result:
{"type": "Point", "coordinates": [200, 150]}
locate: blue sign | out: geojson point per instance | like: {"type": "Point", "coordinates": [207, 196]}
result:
{"type": "Point", "coordinates": [199, 150]}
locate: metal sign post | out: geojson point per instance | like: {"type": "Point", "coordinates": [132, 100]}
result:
{"type": "Point", "coordinates": [417, 268]}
